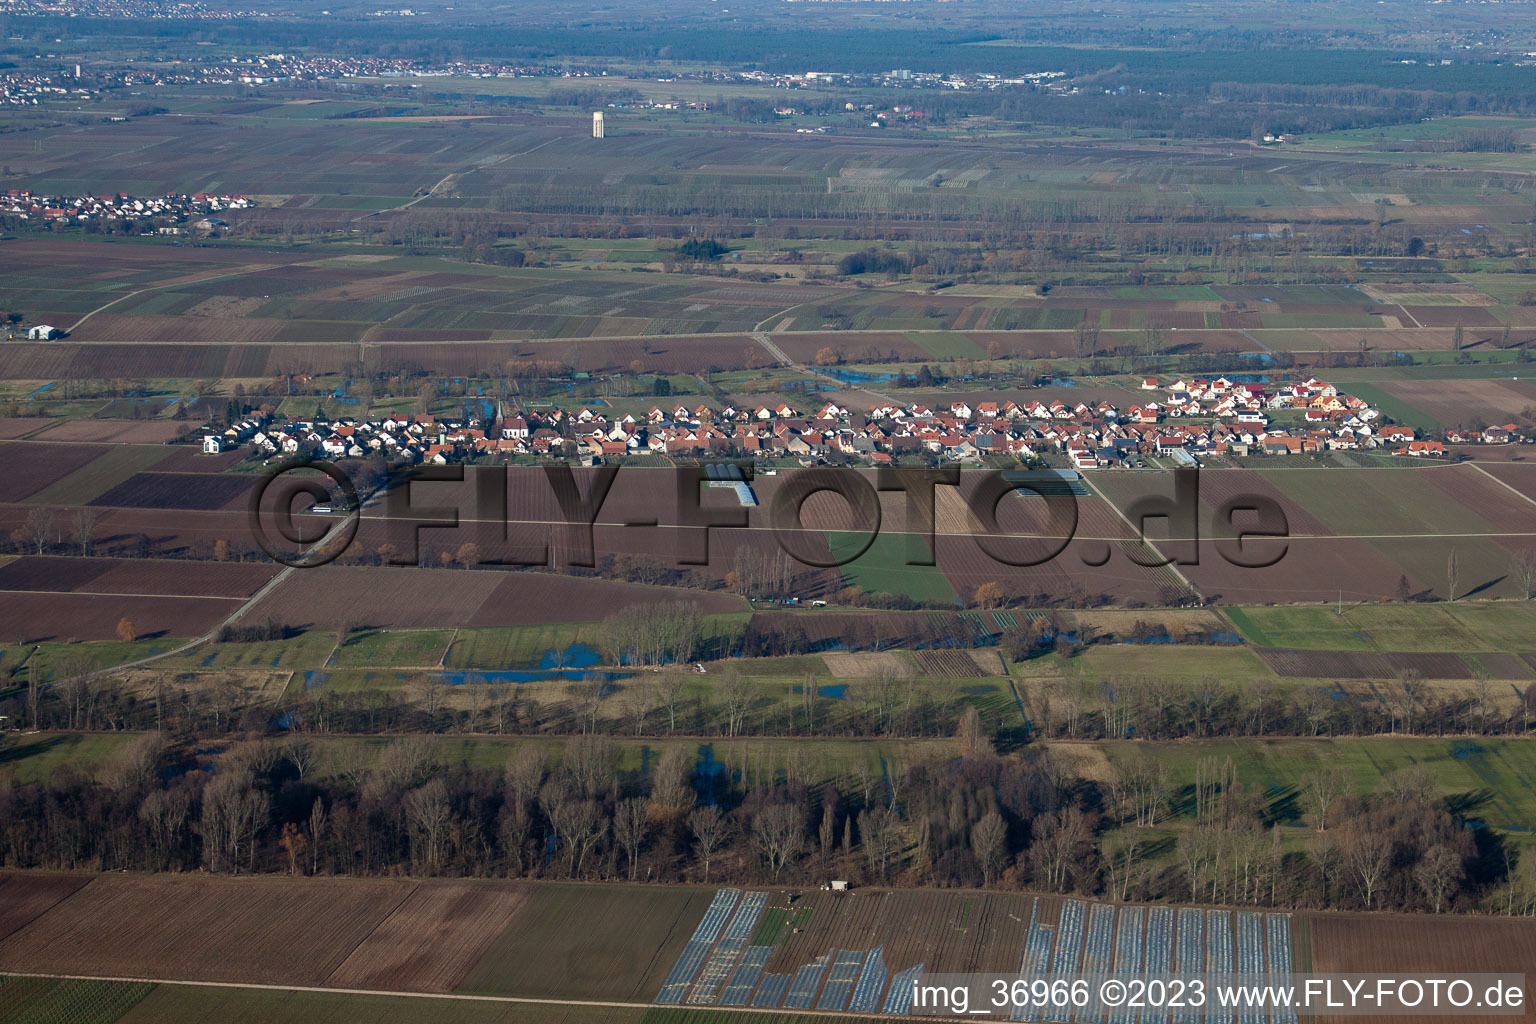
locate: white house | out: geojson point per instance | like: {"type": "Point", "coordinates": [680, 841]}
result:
{"type": "Point", "coordinates": [42, 332]}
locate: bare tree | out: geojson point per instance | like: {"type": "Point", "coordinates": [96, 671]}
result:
{"type": "Point", "coordinates": [711, 829]}
{"type": "Point", "coordinates": [1059, 841]}
{"type": "Point", "coordinates": [39, 530]}
{"type": "Point", "coordinates": [881, 832]}
{"type": "Point", "coordinates": [1368, 853]}
{"type": "Point", "coordinates": [1120, 860]}
{"type": "Point", "coordinates": [430, 817]}
{"type": "Point", "coordinates": [429, 690]}
{"type": "Point", "coordinates": [1523, 569]}
{"type": "Point", "coordinates": [526, 770]}
{"type": "Point", "coordinates": [738, 693]}
{"type": "Point", "coordinates": [165, 811]}
{"type": "Point", "coordinates": [974, 740]}
{"type": "Point", "coordinates": [578, 825]}
{"type": "Point", "coordinates": [407, 761]}
{"type": "Point", "coordinates": [671, 688]}
{"type": "Point", "coordinates": [987, 843]}
{"type": "Point", "coordinates": [631, 825]}
{"type": "Point", "coordinates": [1323, 854]}
{"type": "Point", "coordinates": [84, 521]}
{"type": "Point", "coordinates": [301, 754]}
{"type": "Point", "coordinates": [1437, 874]}
{"type": "Point", "coordinates": [234, 813]}
{"type": "Point", "coordinates": [1452, 574]}
{"type": "Point", "coordinates": [591, 761]}
{"type": "Point", "coordinates": [316, 833]}
{"type": "Point", "coordinates": [778, 832]}
{"type": "Point", "coordinates": [1323, 787]}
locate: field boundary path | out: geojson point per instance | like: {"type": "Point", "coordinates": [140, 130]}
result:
{"type": "Point", "coordinates": [250, 603]}
{"type": "Point", "coordinates": [463, 997]}
{"type": "Point", "coordinates": [1501, 483]}
{"type": "Point", "coordinates": [764, 340]}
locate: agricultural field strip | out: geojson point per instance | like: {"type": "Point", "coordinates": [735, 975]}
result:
{"type": "Point", "coordinates": [738, 991]}
{"type": "Point", "coordinates": [1069, 938]}
{"type": "Point", "coordinates": [1128, 957]}
{"type": "Point", "coordinates": [1159, 956]}
{"type": "Point", "coordinates": [718, 967]}
{"type": "Point", "coordinates": [866, 994]}
{"type": "Point", "coordinates": [772, 991]}
{"type": "Point", "coordinates": [841, 979]}
{"type": "Point", "coordinates": [1037, 960]}
{"type": "Point", "coordinates": [1189, 959]}
{"type": "Point", "coordinates": [675, 988]}
{"type": "Point", "coordinates": [1098, 949]}
{"type": "Point", "coordinates": [1250, 960]}
{"type": "Point", "coordinates": [1280, 962]}
{"type": "Point", "coordinates": [899, 999]}
{"type": "Point", "coordinates": [1219, 960]}
{"type": "Point", "coordinates": [807, 980]}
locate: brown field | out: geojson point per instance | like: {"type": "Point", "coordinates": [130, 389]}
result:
{"type": "Point", "coordinates": [50, 360]}
{"type": "Point", "coordinates": [24, 898]}
{"type": "Point", "coordinates": [1522, 477]}
{"type": "Point", "coordinates": [1364, 664]}
{"type": "Point", "coordinates": [190, 459]}
{"type": "Point", "coordinates": [31, 467]}
{"type": "Point", "coordinates": [537, 597]}
{"type": "Point", "coordinates": [947, 664]}
{"type": "Point", "coordinates": [118, 328]}
{"type": "Point", "coordinates": [116, 431]}
{"type": "Point", "coordinates": [266, 930]}
{"type": "Point", "coordinates": [432, 939]}
{"type": "Point", "coordinates": [406, 597]}
{"type": "Point", "coordinates": [1441, 946]}
{"type": "Point", "coordinates": [1067, 576]}
{"type": "Point", "coordinates": [40, 616]}
{"type": "Point", "coordinates": [1501, 507]}
{"type": "Point", "coordinates": [154, 577]}
{"type": "Point", "coordinates": [194, 491]}
{"type": "Point", "coordinates": [610, 942]}
{"type": "Point", "coordinates": [1455, 402]}
{"type": "Point", "coordinates": [1312, 569]}
{"type": "Point", "coordinates": [866, 664]}
{"type": "Point", "coordinates": [13, 427]}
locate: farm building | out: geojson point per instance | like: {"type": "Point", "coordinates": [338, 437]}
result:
{"type": "Point", "coordinates": [43, 332]}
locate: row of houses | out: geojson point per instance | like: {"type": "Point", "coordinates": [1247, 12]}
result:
{"type": "Point", "coordinates": [1186, 420]}
{"type": "Point", "coordinates": [25, 204]}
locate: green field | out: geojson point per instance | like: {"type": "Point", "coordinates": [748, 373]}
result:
{"type": "Point", "coordinates": [51, 1001]}
{"type": "Point", "coordinates": [101, 474]}
{"type": "Point", "coordinates": [1463, 626]}
{"type": "Point", "coordinates": [884, 569]}
{"type": "Point", "coordinates": [413, 648]}
{"type": "Point", "coordinates": [1490, 780]}
{"type": "Point", "coordinates": [35, 756]}
{"type": "Point", "coordinates": [611, 942]}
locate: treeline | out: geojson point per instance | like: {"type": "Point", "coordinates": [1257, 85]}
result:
{"type": "Point", "coordinates": [976, 819]}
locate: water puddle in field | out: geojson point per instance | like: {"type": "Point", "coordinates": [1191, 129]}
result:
{"type": "Point", "coordinates": [523, 675]}
{"type": "Point", "coordinates": [578, 655]}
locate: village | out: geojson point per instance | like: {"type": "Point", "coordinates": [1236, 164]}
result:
{"type": "Point", "coordinates": [165, 214]}
{"type": "Point", "coordinates": [1183, 420]}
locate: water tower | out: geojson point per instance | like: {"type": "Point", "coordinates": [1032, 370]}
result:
{"type": "Point", "coordinates": [597, 124]}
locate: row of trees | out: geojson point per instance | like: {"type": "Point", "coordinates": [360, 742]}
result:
{"type": "Point", "coordinates": [773, 815]}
